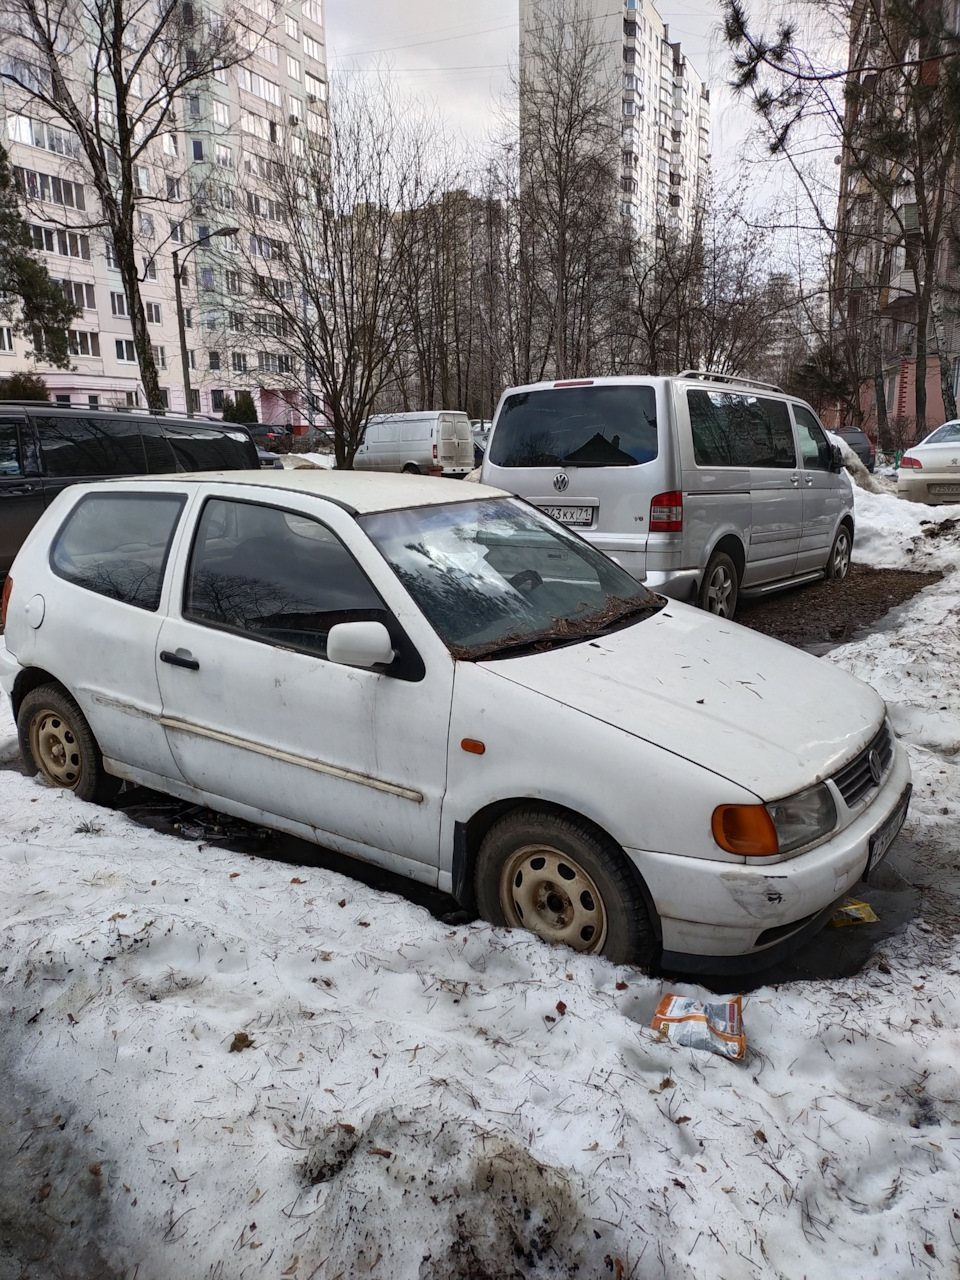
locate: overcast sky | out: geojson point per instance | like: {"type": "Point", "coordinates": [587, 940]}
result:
{"type": "Point", "coordinates": [458, 53]}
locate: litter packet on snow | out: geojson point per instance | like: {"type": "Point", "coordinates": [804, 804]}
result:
{"type": "Point", "coordinates": [715, 1025]}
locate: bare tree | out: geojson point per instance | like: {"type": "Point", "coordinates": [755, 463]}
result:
{"type": "Point", "coordinates": [110, 76]}
{"type": "Point", "coordinates": [329, 229]}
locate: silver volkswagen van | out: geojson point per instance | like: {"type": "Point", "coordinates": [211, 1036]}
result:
{"type": "Point", "coordinates": [701, 485]}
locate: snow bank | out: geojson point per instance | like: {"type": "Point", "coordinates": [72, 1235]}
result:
{"type": "Point", "coordinates": [220, 1066]}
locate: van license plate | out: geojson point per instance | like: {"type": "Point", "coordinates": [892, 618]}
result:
{"type": "Point", "coordinates": [570, 515]}
{"type": "Point", "coordinates": [882, 839]}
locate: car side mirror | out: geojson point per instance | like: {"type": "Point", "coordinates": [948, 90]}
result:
{"type": "Point", "coordinates": [360, 644]}
{"type": "Point", "coordinates": [836, 459]}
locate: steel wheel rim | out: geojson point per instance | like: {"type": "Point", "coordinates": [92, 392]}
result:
{"type": "Point", "coordinates": [719, 590]}
{"type": "Point", "coordinates": [54, 747]}
{"type": "Point", "coordinates": [549, 893]}
{"type": "Point", "coordinates": [841, 556]}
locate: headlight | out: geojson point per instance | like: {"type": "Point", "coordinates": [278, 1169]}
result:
{"type": "Point", "coordinates": [760, 830]}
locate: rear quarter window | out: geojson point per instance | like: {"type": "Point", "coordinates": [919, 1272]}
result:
{"type": "Point", "coordinates": [734, 429]}
{"type": "Point", "coordinates": [205, 449]}
{"type": "Point", "coordinates": [90, 446]}
{"type": "Point", "coordinates": [596, 426]}
{"type": "Point", "coordinates": [116, 545]}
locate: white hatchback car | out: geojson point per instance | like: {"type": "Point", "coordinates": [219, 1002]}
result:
{"type": "Point", "coordinates": [444, 681]}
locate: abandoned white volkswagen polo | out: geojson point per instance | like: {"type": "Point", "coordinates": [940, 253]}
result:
{"type": "Point", "coordinates": [443, 680]}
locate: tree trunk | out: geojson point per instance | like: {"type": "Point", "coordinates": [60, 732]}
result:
{"type": "Point", "coordinates": [946, 372]}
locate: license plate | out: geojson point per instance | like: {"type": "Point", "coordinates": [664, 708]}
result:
{"type": "Point", "coordinates": [884, 836]}
{"type": "Point", "coordinates": [570, 515]}
{"type": "Point", "coordinates": [946, 490]}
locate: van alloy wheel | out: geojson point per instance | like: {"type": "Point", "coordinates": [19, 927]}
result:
{"type": "Point", "coordinates": [720, 586]}
{"type": "Point", "coordinates": [838, 566]}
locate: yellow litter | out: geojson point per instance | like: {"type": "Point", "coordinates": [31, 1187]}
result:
{"type": "Point", "coordinates": [853, 912]}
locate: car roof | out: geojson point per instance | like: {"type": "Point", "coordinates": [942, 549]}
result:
{"type": "Point", "coordinates": [361, 492]}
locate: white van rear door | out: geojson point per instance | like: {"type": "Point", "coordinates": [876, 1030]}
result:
{"type": "Point", "coordinates": [455, 441]}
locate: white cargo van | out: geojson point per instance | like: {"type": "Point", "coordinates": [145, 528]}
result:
{"type": "Point", "coordinates": [417, 442]}
{"type": "Point", "coordinates": [701, 485]}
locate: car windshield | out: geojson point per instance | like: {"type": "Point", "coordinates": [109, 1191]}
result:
{"type": "Point", "coordinates": [495, 576]}
{"type": "Point", "coordinates": [949, 433]}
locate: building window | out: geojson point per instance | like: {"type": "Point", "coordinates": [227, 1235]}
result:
{"type": "Point", "coordinates": [173, 188]}
{"type": "Point", "coordinates": [293, 28]}
{"type": "Point", "coordinates": [197, 146]}
{"type": "Point", "coordinates": [268, 362]}
{"type": "Point", "coordinates": [206, 277]}
{"type": "Point", "coordinates": [188, 317]}
{"type": "Point", "coordinates": [146, 225]}
{"type": "Point", "coordinates": [238, 360]}
{"type": "Point", "coordinates": [213, 361]}
{"type": "Point", "coordinates": [293, 68]}
{"type": "Point", "coordinates": [194, 400]}
{"type": "Point", "coordinates": [171, 146]}
{"type": "Point", "coordinates": [111, 255]}
{"type": "Point", "coordinates": [68, 244]}
{"type": "Point", "coordinates": [93, 402]}
{"type": "Point", "coordinates": [44, 186]}
{"type": "Point", "coordinates": [153, 313]}
{"type": "Point", "coordinates": [312, 9]}
{"type": "Point", "coordinates": [221, 114]}
{"type": "Point", "coordinates": [82, 343]}
{"type": "Point", "coordinates": [315, 87]}
{"type": "Point", "coordinates": [125, 351]}
{"type": "Point", "coordinates": [223, 156]}
{"type": "Point", "coordinates": [234, 282]}
{"type": "Point", "coordinates": [210, 321]}
{"type": "Point", "coordinates": [313, 48]}
{"type": "Point", "coordinates": [149, 269]}
{"type": "Point", "coordinates": [118, 304]}
{"type": "Point", "coordinates": [159, 356]}
{"type": "Point", "coordinates": [191, 359]}
{"type": "Point", "coordinates": [193, 107]}
{"type": "Point", "coordinates": [216, 401]}
{"type": "Point", "coordinates": [141, 179]}
{"type": "Point", "coordinates": [176, 232]}
{"type": "Point", "coordinates": [165, 397]}
{"type": "Point", "coordinates": [6, 339]}
{"type": "Point", "coordinates": [64, 399]}
{"type": "Point", "coordinates": [235, 323]}
{"type": "Point", "coordinates": [82, 295]}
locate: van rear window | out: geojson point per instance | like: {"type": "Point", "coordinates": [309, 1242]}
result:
{"type": "Point", "coordinates": [598, 426]}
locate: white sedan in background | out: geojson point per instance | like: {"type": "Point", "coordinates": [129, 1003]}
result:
{"type": "Point", "coordinates": [930, 471]}
{"type": "Point", "coordinates": [444, 681]}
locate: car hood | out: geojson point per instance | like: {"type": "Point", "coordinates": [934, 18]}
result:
{"type": "Point", "coordinates": [764, 715]}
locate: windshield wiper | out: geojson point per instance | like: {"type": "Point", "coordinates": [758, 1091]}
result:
{"type": "Point", "coordinates": [596, 624]}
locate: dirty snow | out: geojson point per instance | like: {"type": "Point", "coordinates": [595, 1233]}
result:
{"type": "Point", "coordinates": [218, 1066]}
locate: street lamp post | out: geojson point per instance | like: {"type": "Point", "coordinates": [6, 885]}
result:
{"type": "Point", "coordinates": [177, 269]}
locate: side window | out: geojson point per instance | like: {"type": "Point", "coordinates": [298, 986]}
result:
{"type": "Point", "coordinates": [10, 463]}
{"type": "Point", "coordinates": [202, 449]}
{"type": "Point", "coordinates": [274, 575]}
{"type": "Point", "coordinates": [117, 544]}
{"type": "Point", "coordinates": [814, 446]}
{"type": "Point", "coordinates": [733, 429]}
{"type": "Point", "coordinates": [90, 446]}
{"type": "Point", "coordinates": [161, 460]}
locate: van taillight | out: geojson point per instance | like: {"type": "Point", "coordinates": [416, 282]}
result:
{"type": "Point", "coordinates": [666, 512]}
{"type": "Point", "coordinates": [5, 600]}
{"type": "Point", "coordinates": [434, 451]}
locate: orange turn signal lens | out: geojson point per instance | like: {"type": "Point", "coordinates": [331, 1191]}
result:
{"type": "Point", "coordinates": [473, 746]}
{"type": "Point", "coordinates": [746, 829]}
{"type": "Point", "coordinates": [5, 600]}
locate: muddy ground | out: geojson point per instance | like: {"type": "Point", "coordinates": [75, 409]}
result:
{"type": "Point", "coordinates": [829, 613]}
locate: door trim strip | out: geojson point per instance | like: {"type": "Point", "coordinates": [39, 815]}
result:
{"type": "Point", "coordinates": [318, 766]}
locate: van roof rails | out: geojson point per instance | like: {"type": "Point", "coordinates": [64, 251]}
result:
{"type": "Point", "coordinates": [703, 375]}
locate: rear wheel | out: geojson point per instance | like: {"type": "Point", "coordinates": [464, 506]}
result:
{"type": "Point", "coordinates": [564, 882]}
{"type": "Point", "coordinates": [56, 740]}
{"type": "Point", "coordinates": [720, 586]}
{"type": "Point", "coordinates": [838, 566]}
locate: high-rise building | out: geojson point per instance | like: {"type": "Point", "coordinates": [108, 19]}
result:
{"type": "Point", "coordinates": [662, 104]}
{"type": "Point", "coordinates": [200, 177]}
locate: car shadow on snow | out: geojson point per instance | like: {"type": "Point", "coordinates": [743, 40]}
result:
{"type": "Point", "coordinates": [832, 953]}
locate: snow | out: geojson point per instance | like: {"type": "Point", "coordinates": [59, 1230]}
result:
{"type": "Point", "coordinates": [418, 1099]}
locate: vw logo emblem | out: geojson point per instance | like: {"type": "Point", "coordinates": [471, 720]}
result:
{"type": "Point", "coordinates": [561, 482]}
{"type": "Point", "coordinates": [876, 768]}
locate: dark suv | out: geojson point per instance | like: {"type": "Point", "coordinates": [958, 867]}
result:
{"type": "Point", "coordinates": [45, 447]}
{"type": "Point", "coordinates": [860, 443]}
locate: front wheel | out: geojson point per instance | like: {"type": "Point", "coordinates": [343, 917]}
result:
{"type": "Point", "coordinates": [56, 740]}
{"type": "Point", "coordinates": [838, 566]}
{"type": "Point", "coordinates": [720, 586]}
{"type": "Point", "coordinates": [564, 882]}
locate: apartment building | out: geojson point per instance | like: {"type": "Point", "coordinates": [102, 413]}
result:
{"type": "Point", "coordinates": [659, 100]}
{"type": "Point", "coordinates": [200, 178]}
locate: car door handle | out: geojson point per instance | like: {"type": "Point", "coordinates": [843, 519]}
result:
{"type": "Point", "coordinates": [795, 478]}
{"type": "Point", "coordinates": [179, 660]}
{"type": "Point", "coordinates": [18, 491]}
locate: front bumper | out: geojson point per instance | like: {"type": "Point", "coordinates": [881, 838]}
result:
{"type": "Point", "coordinates": [736, 917]}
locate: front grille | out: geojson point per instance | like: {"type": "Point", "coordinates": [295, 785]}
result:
{"type": "Point", "coordinates": [854, 780]}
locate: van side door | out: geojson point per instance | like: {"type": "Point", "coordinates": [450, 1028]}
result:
{"type": "Point", "coordinates": [825, 493]}
{"type": "Point", "coordinates": [21, 489]}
